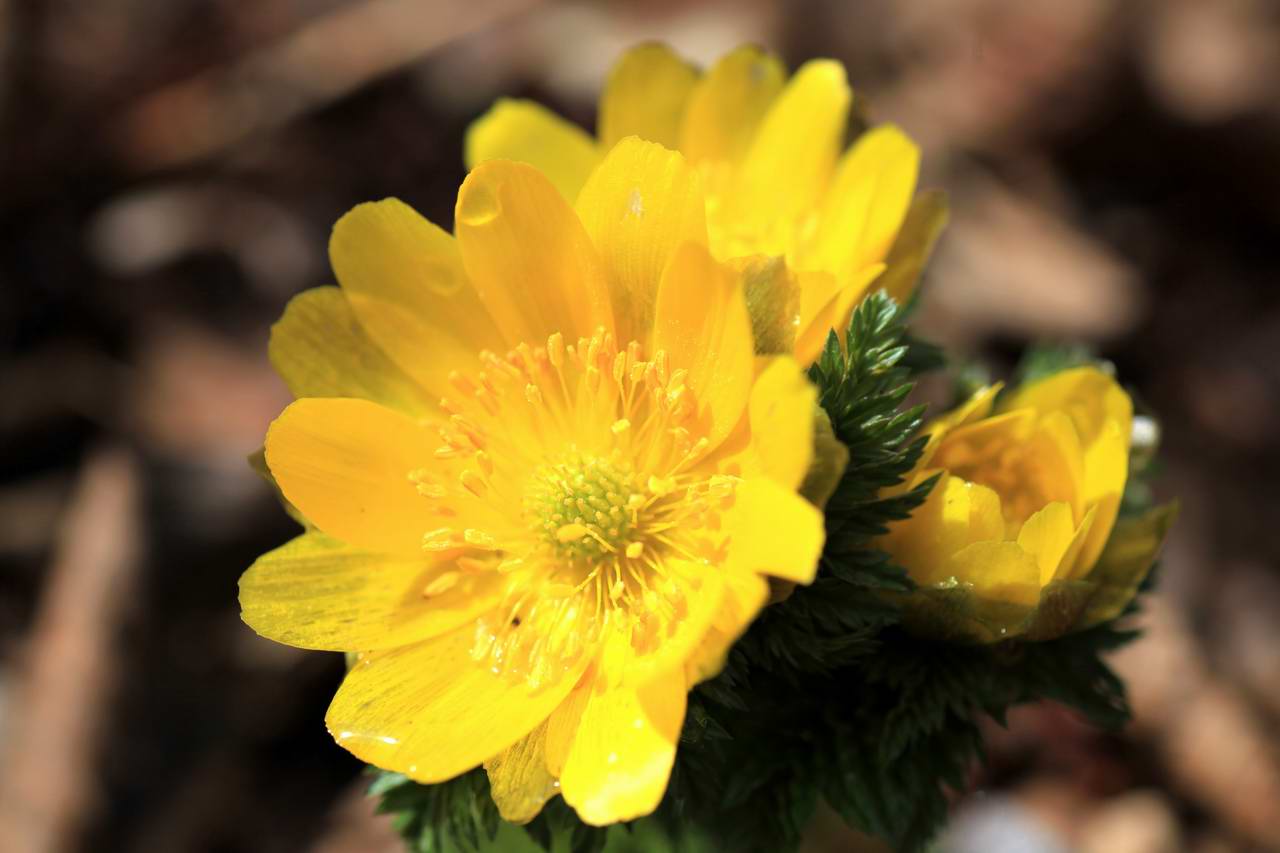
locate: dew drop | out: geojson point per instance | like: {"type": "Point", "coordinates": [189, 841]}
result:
{"type": "Point", "coordinates": [478, 204]}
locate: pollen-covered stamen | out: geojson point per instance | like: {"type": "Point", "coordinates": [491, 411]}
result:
{"type": "Point", "coordinates": [581, 506]}
{"type": "Point", "coordinates": [524, 408]}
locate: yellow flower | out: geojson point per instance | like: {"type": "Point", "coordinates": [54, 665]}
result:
{"type": "Point", "coordinates": [546, 474]}
{"type": "Point", "coordinates": [1019, 535]}
{"type": "Point", "coordinates": [768, 152]}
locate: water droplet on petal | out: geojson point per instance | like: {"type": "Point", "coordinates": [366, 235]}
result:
{"type": "Point", "coordinates": [478, 204]}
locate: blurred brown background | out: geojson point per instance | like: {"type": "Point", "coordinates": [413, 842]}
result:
{"type": "Point", "coordinates": [169, 172]}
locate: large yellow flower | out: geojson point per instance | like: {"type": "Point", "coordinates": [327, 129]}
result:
{"type": "Point", "coordinates": [1019, 534]}
{"type": "Point", "coordinates": [768, 151]}
{"type": "Point", "coordinates": [546, 474]}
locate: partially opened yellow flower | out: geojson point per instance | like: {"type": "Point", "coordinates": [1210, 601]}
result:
{"type": "Point", "coordinates": [1019, 534]}
{"type": "Point", "coordinates": [546, 475]}
{"type": "Point", "coordinates": [778, 187]}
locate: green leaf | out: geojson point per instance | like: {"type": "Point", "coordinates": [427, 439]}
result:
{"type": "Point", "coordinates": [1129, 554]}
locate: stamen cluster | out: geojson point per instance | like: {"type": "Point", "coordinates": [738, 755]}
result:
{"type": "Point", "coordinates": [585, 456]}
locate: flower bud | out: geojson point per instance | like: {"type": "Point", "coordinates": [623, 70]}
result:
{"type": "Point", "coordinates": [1019, 535]}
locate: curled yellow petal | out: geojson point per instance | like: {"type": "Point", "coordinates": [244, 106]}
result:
{"type": "Point", "coordinates": [530, 133]}
{"type": "Point", "coordinates": [782, 421]}
{"type": "Point", "coordinates": [320, 349]}
{"type": "Point", "coordinates": [999, 571]}
{"type": "Point", "coordinates": [866, 203]}
{"type": "Point", "coordinates": [404, 280]}
{"type": "Point", "coordinates": [528, 256]}
{"type": "Point", "coordinates": [623, 751]}
{"type": "Point", "coordinates": [1046, 536]}
{"type": "Point", "coordinates": [775, 531]}
{"type": "Point", "coordinates": [701, 322]}
{"type": "Point", "coordinates": [640, 205]}
{"type": "Point", "coordinates": [925, 221]}
{"type": "Point", "coordinates": [956, 514]}
{"type": "Point", "coordinates": [728, 104]}
{"type": "Point", "coordinates": [794, 152]}
{"type": "Point", "coordinates": [645, 96]}
{"type": "Point", "coordinates": [745, 596]}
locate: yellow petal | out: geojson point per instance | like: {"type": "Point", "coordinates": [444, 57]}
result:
{"type": "Point", "coordinates": [530, 133]}
{"type": "Point", "coordinates": [792, 157]}
{"type": "Point", "coordinates": [345, 464]}
{"type": "Point", "coordinates": [1085, 394]}
{"type": "Point", "coordinates": [926, 218]}
{"type": "Point", "coordinates": [1047, 535]}
{"type": "Point", "coordinates": [999, 571]}
{"type": "Point", "coordinates": [1048, 464]}
{"type": "Point", "coordinates": [820, 299]}
{"type": "Point", "coordinates": [1072, 567]}
{"type": "Point", "coordinates": [701, 322]}
{"type": "Point", "coordinates": [728, 104]}
{"type": "Point", "coordinates": [830, 459]}
{"type": "Point", "coordinates": [639, 207]}
{"type": "Point", "coordinates": [659, 645]}
{"type": "Point", "coordinates": [866, 203]}
{"type": "Point", "coordinates": [1058, 469]}
{"type": "Point", "coordinates": [855, 287]}
{"type": "Point", "coordinates": [528, 255]}
{"type": "Point", "coordinates": [404, 280]}
{"type": "Point", "coordinates": [774, 531]}
{"type": "Point", "coordinates": [622, 753]}
{"type": "Point", "coordinates": [1102, 416]}
{"type": "Point", "coordinates": [956, 514]}
{"type": "Point", "coordinates": [971, 411]}
{"type": "Point", "coordinates": [518, 778]}
{"type": "Point", "coordinates": [781, 408]}
{"type": "Point", "coordinates": [318, 593]}
{"type": "Point", "coordinates": [431, 712]}
{"type": "Point", "coordinates": [645, 96]}
{"type": "Point", "coordinates": [562, 725]}
{"type": "Point", "coordinates": [971, 443]}
{"type": "Point", "coordinates": [745, 596]}
{"type": "Point", "coordinates": [320, 350]}
{"type": "Point", "coordinates": [1106, 466]}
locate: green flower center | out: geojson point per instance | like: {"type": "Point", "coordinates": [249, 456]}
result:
{"type": "Point", "coordinates": [583, 506]}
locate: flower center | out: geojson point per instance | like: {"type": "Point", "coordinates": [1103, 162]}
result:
{"type": "Point", "coordinates": [584, 505]}
{"type": "Point", "coordinates": [577, 472]}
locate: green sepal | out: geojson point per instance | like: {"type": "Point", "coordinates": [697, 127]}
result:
{"type": "Point", "coordinates": [1061, 606]}
{"type": "Point", "coordinates": [1125, 562]}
